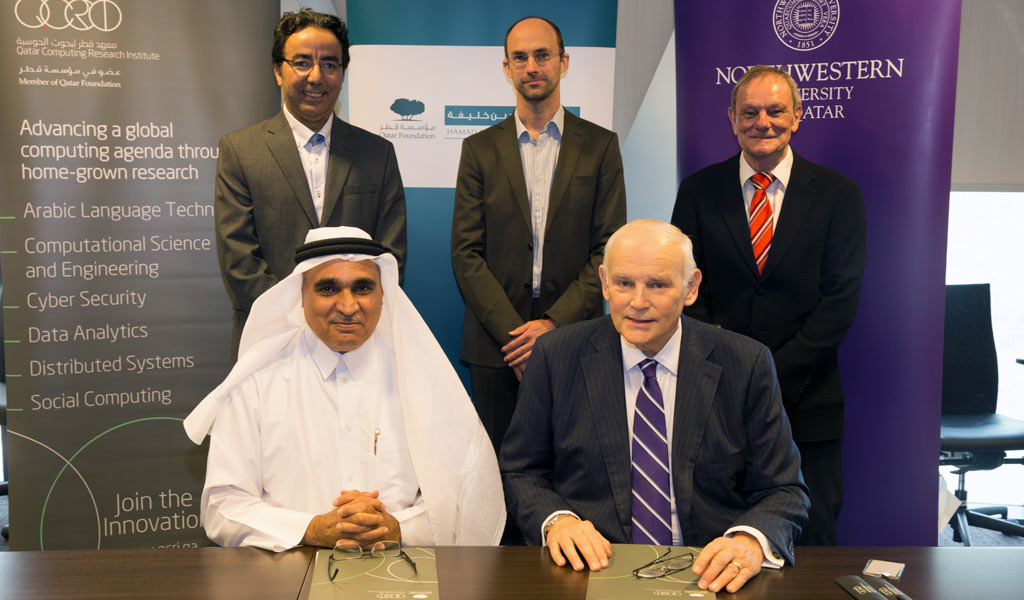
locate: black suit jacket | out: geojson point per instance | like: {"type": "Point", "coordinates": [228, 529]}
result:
{"type": "Point", "coordinates": [492, 234]}
{"type": "Point", "coordinates": [733, 457]}
{"type": "Point", "coordinates": [804, 302]}
{"type": "Point", "coordinates": [263, 207]}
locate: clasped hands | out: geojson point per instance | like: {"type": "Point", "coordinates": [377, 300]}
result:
{"type": "Point", "coordinates": [357, 516]}
{"type": "Point", "coordinates": [726, 562]}
{"type": "Point", "coordinates": [517, 352]}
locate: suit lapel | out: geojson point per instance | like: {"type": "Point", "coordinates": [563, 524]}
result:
{"type": "Point", "coordinates": [568, 156]}
{"type": "Point", "coordinates": [339, 163]}
{"type": "Point", "coordinates": [602, 374]}
{"type": "Point", "coordinates": [511, 160]}
{"type": "Point", "coordinates": [798, 198]}
{"type": "Point", "coordinates": [696, 385]}
{"type": "Point", "coordinates": [281, 143]}
{"type": "Point", "coordinates": [729, 200]}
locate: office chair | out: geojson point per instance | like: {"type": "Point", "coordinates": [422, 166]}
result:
{"type": "Point", "coordinates": [973, 436]}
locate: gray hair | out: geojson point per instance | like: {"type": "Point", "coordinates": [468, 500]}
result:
{"type": "Point", "coordinates": [763, 71]}
{"type": "Point", "coordinates": [659, 232]}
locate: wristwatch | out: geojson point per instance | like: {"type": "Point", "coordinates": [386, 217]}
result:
{"type": "Point", "coordinates": [547, 528]}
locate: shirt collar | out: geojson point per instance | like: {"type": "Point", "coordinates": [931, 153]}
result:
{"type": "Point", "coordinates": [327, 360]}
{"type": "Point", "coordinates": [557, 121]}
{"type": "Point", "coordinates": [303, 133]}
{"type": "Point", "coordinates": [781, 170]}
{"type": "Point", "coordinates": [667, 357]}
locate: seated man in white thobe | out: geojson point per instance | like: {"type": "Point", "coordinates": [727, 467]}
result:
{"type": "Point", "coordinates": [343, 419]}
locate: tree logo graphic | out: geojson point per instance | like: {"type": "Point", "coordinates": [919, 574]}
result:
{"type": "Point", "coordinates": [406, 108]}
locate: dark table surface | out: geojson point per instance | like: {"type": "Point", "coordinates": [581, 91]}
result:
{"type": "Point", "coordinates": [473, 573]}
{"type": "Point", "coordinates": [151, 574]}
{"type": "Point", "coordinates": [930, 574]}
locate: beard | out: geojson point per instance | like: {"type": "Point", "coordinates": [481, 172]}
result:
{"type": "Point", "coordinates": [536, 94]}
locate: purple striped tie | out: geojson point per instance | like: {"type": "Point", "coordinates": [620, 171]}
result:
{"type": "Point", "coordinates": [652, 509]}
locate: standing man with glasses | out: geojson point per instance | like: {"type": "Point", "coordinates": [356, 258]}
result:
{"type": "Point", "coordinates": [781, 242]}
{"type": "Point", "coordinates": [648, 427]}
{"type": "Point", "coordinates": [536, 198]}
{"type": "Point", "coordinates": [301, 169]}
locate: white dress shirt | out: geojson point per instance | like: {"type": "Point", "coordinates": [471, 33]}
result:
{"type": "Point", "coordinates": [296, 433]}
{"type": "Point", "coordinates": [313, 157]}
{"type": "Point", "coordinates": [776, 191]}
{"type": "Point", "coordinates": [540, 157]}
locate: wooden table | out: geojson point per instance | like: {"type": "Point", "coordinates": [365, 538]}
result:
{"type": "Point", "coordinates": [473, 573]}
{"type": "Point", "coordinates": [151, 574]}
{"type": "Point", "coordinates": [931, 574]}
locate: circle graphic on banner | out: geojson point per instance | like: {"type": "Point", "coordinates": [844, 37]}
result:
{"type": "Point", "coordinates": [128, 494]}
{"type": "Point", "coordinates": [805, 24]}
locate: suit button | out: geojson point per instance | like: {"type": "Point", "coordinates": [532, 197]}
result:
{"type": "Point", "coordinates": [749, 332]}
{"type": "Point", "coordinates": [760, 291]}
{"type": "Point", "coordinates": [530, 245]}
{"type": "Point", "coordinates": [527, 285]}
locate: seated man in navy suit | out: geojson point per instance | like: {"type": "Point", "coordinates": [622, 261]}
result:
{"type": "Point", "coordinates": [595, 455]}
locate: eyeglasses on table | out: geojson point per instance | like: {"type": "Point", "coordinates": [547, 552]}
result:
{"type": "Point", "coordinates": [351, 551]}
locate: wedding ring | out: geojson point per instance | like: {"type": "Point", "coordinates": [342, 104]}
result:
{"type": "Point", "coordinates": [738, 566]}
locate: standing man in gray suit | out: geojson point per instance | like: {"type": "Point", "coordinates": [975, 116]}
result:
{"type": "Point", "coordinates": [301, 169]}
{"type": "Point", "coordinates": [536, 199]}
{"type": "Point", "coordinates": [649, 427]}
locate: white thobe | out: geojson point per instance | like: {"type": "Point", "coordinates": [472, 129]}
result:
{"type": "Point", "coordinates": [294, 434]}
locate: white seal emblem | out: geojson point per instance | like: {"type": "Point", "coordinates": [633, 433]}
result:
{"type": "Point", "coordinates": [805, 24]}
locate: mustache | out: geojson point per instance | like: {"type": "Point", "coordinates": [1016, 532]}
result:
{"type": "Point", "coordinates": [346, 320]}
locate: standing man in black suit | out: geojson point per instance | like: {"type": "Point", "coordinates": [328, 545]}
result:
{"type": "Point", "coordinates": [536, 199]}
{"type": "Point", "coordinates": [782, 265]}
{"type": "Point", "coordinates": [301, 169]}
{"type": "Point", "coordinates": [596, 453]}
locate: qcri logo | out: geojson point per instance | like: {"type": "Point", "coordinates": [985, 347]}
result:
{"type": "Point", "coordinates": [80, 15]}
{"type": "Point", "coordinates": [805, 24]}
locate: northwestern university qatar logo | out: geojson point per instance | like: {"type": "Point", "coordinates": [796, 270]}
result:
{"type": "Point", "coordinates": [805, 24]}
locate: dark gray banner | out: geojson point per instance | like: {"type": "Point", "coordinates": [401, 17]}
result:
{"type": "Point", "coordinates": [116, 320]}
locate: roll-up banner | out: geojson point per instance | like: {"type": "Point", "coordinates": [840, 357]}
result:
{"type": "Point", "coordinates": [878, 83]}
{"type": "Point", "coordinates": [116, 320]}
{"type": "Point", "coordinates": [426, 75]}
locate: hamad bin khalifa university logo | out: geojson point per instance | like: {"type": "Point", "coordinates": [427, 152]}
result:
{"type": "Point", "coordinates": [805, 24]}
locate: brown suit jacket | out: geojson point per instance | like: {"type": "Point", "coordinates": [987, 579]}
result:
{"type": "Point", "coordinates": [492, 235]}
{"type": "Point", "coordinates": [263, 207]}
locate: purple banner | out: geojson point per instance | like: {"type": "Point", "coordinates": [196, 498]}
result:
{"type": "Point", "coordinates": [878, 85]}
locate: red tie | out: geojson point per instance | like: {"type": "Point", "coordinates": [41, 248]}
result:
{"type": "Point", "coordinates": [761, 218]}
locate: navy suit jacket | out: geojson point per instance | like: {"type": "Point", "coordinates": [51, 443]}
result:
{"type": "Point", "coordinates": [804, 302]}
{"type": "Point", "coordinates": [733, 457]}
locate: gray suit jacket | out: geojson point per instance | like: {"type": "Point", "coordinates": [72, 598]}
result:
{"type": "Point", "coordinates": [264, 209]}
{"type": "Point", "coordinates": [733, 457]}
{"type": "Point", "coordinates": [492, 232]}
